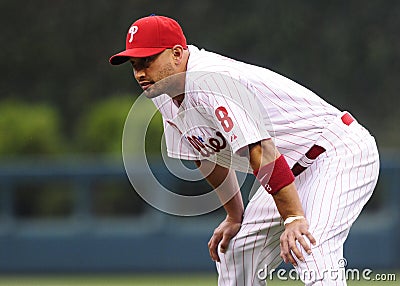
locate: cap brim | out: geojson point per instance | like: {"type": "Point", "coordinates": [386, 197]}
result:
{"type": "Point", "coordinates": [124, 56]}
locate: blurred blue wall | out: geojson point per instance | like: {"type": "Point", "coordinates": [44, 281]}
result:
{"type": "Point", "coordinates": [154, 241]}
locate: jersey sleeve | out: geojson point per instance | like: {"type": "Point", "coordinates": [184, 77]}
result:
{"type": "Point", "coordinates": [234, 110]}
{"type": "Point", "coordinates": [176, 143]}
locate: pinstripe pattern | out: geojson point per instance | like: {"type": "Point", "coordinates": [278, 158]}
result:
{"type": "Point", "coordinates": [333, 190]}
{"type": "Point", "coordinates": [293, 115]}
{"type": "Point", "coordinates": [256, 244]}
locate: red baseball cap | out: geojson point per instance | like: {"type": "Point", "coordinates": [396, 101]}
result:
{"type": "Point", "coordinates": [149, 36]}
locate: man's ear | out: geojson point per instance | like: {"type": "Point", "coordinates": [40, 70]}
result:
{"type": "Point", "coordinates": [177, 52]}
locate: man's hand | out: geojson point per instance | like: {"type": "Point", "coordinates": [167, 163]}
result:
{"type": "Point", "coordinates": [222, 235]}
{"type": "Point", "coordinates": [295, 231]}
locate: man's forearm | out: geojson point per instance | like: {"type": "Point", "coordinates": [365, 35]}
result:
{"type": "Point", "coordinates": [225, 183]}
{"type": "Point", "coordinates": [286, 199]}
{"type": "Point", "coordinates": [234, 208]}
{"type": "Point", "coordinates": [288, 202]}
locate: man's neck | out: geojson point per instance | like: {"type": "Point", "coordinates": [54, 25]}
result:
{"type": "Point", "coordinates": [178, 99]}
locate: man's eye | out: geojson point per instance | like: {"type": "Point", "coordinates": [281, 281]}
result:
{"type": "Point", "coordinates": [137, 65]}
{"type": "Point", "coordinates": [142, 63]}
{"type": "Point", "coordinates": [147, 61]}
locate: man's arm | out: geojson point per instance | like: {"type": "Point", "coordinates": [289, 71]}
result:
{"type": "Point", "coordinates": [225, 183]}
{"type": "Point", "coordinates": [288, 203]}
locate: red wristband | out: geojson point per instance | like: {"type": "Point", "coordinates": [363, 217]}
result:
{"type": "Point", "coordinates": [275, 175]}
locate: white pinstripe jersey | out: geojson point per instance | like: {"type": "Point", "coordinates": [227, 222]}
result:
{"type": "Point", "coordinates": [229, 104]}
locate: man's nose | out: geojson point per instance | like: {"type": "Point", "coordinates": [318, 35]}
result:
{"type": "Point", "coordinates": [139, 74]}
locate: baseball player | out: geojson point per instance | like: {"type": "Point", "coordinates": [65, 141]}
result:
{"type": "Point", "coordinates": [317, 166]}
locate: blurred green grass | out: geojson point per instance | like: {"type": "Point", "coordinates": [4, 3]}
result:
{"type": "Point", "coordinates": [149, 280]}
{"type": "Point", "coordinates": [110, 280]}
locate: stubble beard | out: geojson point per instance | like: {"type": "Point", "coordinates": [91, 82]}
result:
{"type": "Point", "coordinates": [168, 82]}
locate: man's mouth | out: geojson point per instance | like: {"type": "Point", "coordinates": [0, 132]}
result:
{"type": "Point", "coordinates": [146, 84]}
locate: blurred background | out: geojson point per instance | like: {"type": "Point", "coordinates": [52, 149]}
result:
{"type": "Point", "coordinates": [66, 205]}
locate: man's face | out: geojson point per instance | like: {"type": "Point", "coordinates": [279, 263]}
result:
{"type": "Point", "coordinates": [150, 70]}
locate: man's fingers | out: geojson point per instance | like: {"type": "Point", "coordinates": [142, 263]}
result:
{"type": "Point", "coordinates": [213, 247]}
{"type": "Point", "coordinates": [224, 243]}
{"type": "Point", "coordinates": [305, 246]}
{"type": "Point", "coordinates": [284, 249]}
{"type": "Point", "coordinates": [290, 250]}
{"type": "Point", "coordinates": [311, 238]}
{"type": "Point", "coordinates": [291, 259]}
{"type": "Point", "coordinates": [292, 246]}
{"type": "Point", "coordinates": [221, 238]}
